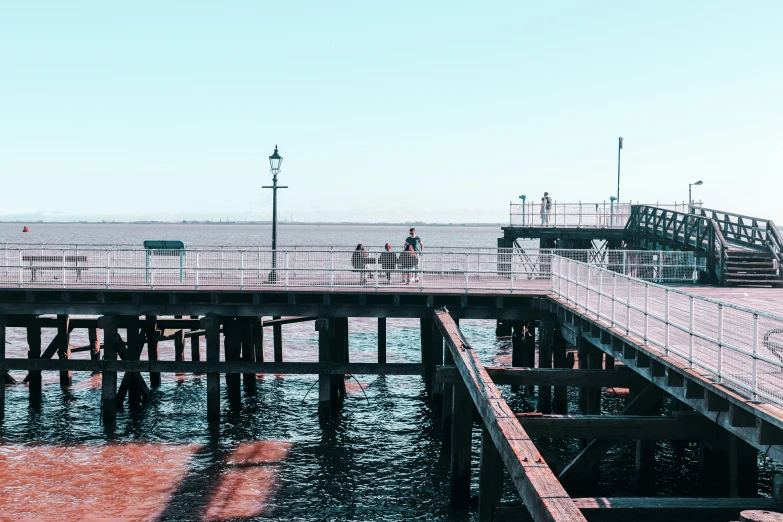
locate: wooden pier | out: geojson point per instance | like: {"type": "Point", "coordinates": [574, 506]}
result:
{"type": "Point", "coordinates": [586, 327]}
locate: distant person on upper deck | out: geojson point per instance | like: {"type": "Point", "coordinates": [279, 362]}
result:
{"type": "Point", "coordinates": [546, 208]}
{"type": "Point", "coordinates": [359, 260]}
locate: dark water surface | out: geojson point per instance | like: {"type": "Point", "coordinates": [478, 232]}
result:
{"type": "Point", "coordinates": [381, 460]}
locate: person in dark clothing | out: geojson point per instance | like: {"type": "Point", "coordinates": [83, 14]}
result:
{"type": "Point", "coordinates": [409, 260]}
{"type": "Point", "coordinates": [388, 261]}
{"type": "Point", "coordinates": [359, 260]}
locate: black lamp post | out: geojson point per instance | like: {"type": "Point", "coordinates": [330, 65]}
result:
{"type": "Point", "coordinates": [690, 199]}
{"type": "Point", "coordinates": [619, 148]}
{"type": "Point", "coordinates": [274, 167]}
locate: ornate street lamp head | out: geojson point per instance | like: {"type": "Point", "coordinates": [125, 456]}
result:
{"type": "Point", "coordinates": [274, 162]}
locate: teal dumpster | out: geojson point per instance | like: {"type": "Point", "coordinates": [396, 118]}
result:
{"type": "Point", "coordinates": [165, 248]}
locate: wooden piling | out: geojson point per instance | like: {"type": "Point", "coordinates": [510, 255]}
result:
{"type": "Point", "coordinates": [546, 338]}
{"type": "Point", "coordinates": [339, 353]}
{"type": "Point", "coordinates": [34, 376]}
{"type": "Point", "coordinates": [195, 348]}
{"type": "Point", "coordinates": [64, 349]}
{"type": "Point", "coordinates": [322, 326]}
{"type": "Point", "coordinates": [743, 468]}
{"type": "Point", "coordinates": [95, 345]}
{"type": "Point", "coordinates": [490, 477]}
{"type": "Point", "coordinates": [3, 371]}
{"type": "Point", "coordinates": [448, 401]}
{"type": "Point", "coordinates": [560, 404]}
{"type": "Point", "coordinates": [151, 327]}
{"type": "Point", "coordinates": [436, 353]}
{"type": "Point", "coordinates": [211, 325]}
{"type": "Point", "coordinates": [231, 346]}
{"type": "Point", "coordinates": [249, 355]}
{"type": "Point", "coordinates": [425, 334]}
{"type": "Point", "coordinates": [258, 338]}
{"type": "Point", "coordinates": [277, 335]}
{"type": "Point", "coordinates": [109, 378]}
{"type": "Point", "coordinates": [179, 346]}
{"type": "Point", "coordinates": [461, 436]}
{"type": "Point", "coordinates": [382, 340]}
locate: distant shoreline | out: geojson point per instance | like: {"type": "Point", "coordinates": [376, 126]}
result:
{"type": "Point", "coordinates": [295, 223]}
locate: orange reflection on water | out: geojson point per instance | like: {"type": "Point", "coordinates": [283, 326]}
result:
{"type": "Point", "coordinates": [129, 481]}
{"type": "Point", "coordinates": [249, 482]}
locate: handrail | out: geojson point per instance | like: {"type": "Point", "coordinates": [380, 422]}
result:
{"type": "Point", "coordinates": [759, 232]}
{"type": "Point", "coordinates": [662, 226]}
{"type": "Point", "coordinates": [700, 330]}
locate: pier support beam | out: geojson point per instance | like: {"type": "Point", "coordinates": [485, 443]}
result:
{"type": "Point", "coordinates": [151, 328]}
{"type": "Point", "coordinates": [211, 325]}
{"type": "Point", "coordinates": [64, 349]}
{"type": "Point", "coordinates": [490, 477]}
{"type": "Point", "coordinates": [3, 371]}
{"type": "Point", "coordinates": [561, 360]}
{"type": "Point", "coordinates": [382, 340]}
{"type": "Point", "coordinates": [195, 348]}
{"type": "Point", "coordinates": [546, 338]}
{"type": "Point", "coordinates": [93, 335]}
{"type": "Point", "coordinates": [325, 394]}
{"type": "Point", "coordinates": [109, 378]}
{"type": "Point", "coordinates": [231, 346]}
{"type": "Point", "coordinates": [277, 335]}
{"type": "Point", "coordinates": [179, 346]}
{"type": "Point", "coordinates": [743, 468]}
{"type": "Point", "coordinates": [258, 339]}
{"type": "Point", "coordinates": [34, 376]}
{"type": "Point", "coordinates": [461, 435]}
{"type": "Point", "coordinates": [249, 355]}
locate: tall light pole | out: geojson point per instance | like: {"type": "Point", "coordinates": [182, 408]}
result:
{"type": "Point", "coordinates": [612, 199]}
{"type": "Point", "coordinates": [690, 199]}
{"type": "Point", "coordinates": [523, 198]}
{"type": "Point", "coordinates": [619, 148]}
{"type": "Point", "coordinates": [274, 167]}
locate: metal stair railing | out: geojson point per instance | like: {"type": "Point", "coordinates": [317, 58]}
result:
{"type": "Point", "coordinates": [659, 226]}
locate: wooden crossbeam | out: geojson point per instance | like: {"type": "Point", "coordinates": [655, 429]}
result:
{"type": "Point", "coordinates": [621, 377]}
{"type": "Point", "coordinates": [292, 368]}
{"type": "Point", "coordinates": [595, 450]}
{"type": "Point", "coordinates": [538, 487]}
{"type": "Point", "coordinates": [643, 509]}
{"type": "Point", "coordinates": [629, 427]}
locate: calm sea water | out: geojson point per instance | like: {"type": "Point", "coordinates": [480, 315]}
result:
{"type": "Point", "coordinates": [381, 460]}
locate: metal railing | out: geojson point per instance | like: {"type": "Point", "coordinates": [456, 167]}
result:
{"type": "Point", "coordinates": [741, 347]}
{"type": "Point", "coordinates": [654, 227]}
{"type": "Point", "coordinates": [488, 269]}
{"type": "Point", "coordinates": [605, 214]}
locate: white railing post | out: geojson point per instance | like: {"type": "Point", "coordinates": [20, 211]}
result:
{"type": "Point", "coordinates": [467, 269]}
{"type": "Point", "coordinates": [690, 331]}
{"type": "Point", "coordinates": [628, 308]}
{"type": "Point", "coordinates": [196, 269]}
{"type": "Point", "coordinates": [646, 313]}
{"type": "Point", "coordinates": [720, 342]}
{"type": "Point", "coordinates": [587, 288]}
{"type": "Point", "coordinates": [108, 268]}
{"type": "Point", "coordinates": [286, 269]}
{"type": "Point", "coordinates": [331, 268]}
{"type": "Point", "coordinates": [21, 274]}
{"type": "Point", "coordinates": [614, 294]}
{"type": "Point", "coordinates": [666, 333]}
{"type": "Point", "coordinates": [580, 214]}
{"type": "Point", "coordinates": [576, 299]}
{"type": "Point", "coordinates": [63, 258]}
{"type": "Point", "coordinates": [754, 382]}
{"type": "Point", "coordinates": [600, 289]}
{"type": "Point", "coordinates": [241, 269]}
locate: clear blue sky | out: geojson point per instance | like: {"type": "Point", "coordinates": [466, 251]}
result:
{"type": "Point", "coordinates": [439, 111]}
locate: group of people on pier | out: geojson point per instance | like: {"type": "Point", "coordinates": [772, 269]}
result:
{"type": "Point", "coordinates": [389, 261]}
